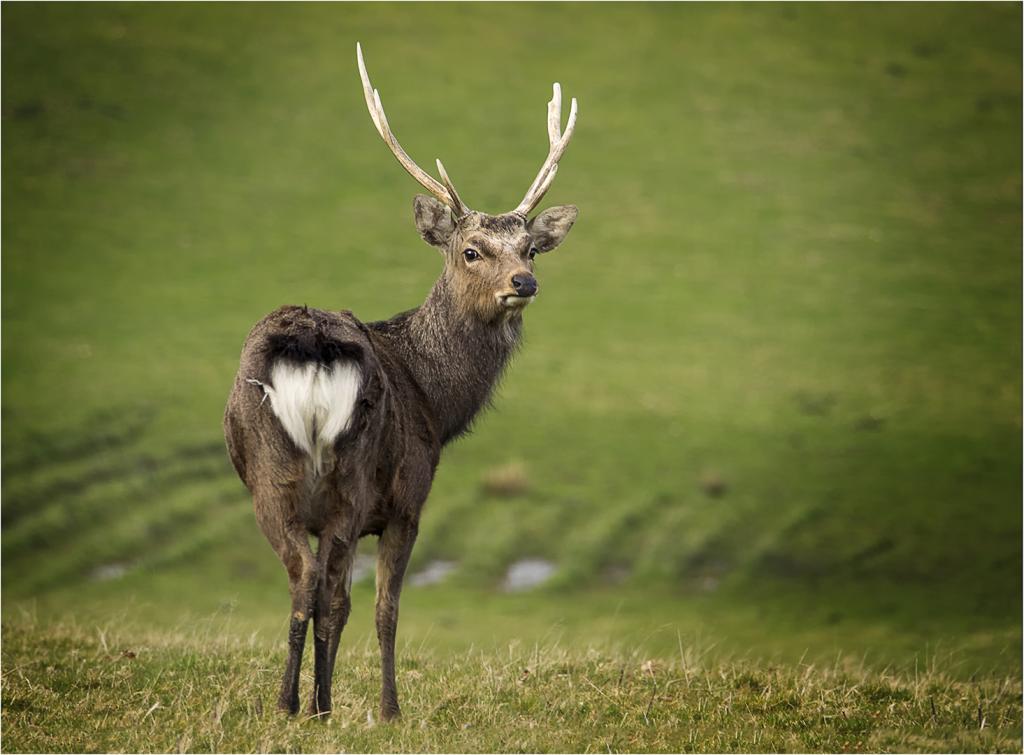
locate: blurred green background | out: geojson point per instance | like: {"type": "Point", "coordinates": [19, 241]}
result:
{"type": "Point", "coordinates": [769, 401]}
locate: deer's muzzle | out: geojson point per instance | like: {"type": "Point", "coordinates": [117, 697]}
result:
{"type": "Point", "coordinates": [524, 284]}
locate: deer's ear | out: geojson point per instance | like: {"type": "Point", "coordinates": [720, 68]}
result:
{"type": "Point", "coordinates": [433, 221]}
{"type": "Point", "coordinates": [551, 226]}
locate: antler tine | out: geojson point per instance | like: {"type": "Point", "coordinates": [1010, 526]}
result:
{"type": "Point", "coordinates": [555, 114]}
{"type": "Point", "coordinates": [543, 188]}
{"type": "Point", "coordinates": [368, 90]}
{"type": "Point", "coordinates": [558, 141]}
{"type": "Point", "coordinates": [445, 194]}
{"type": "Point", "coordinates": [460, 208]}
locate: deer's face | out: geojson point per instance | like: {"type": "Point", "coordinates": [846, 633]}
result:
{"type": "Point", "coordinates": [489, 258]}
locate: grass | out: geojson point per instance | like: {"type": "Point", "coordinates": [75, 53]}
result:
{"type": "Point", "coordinates": [769, 400]}
{"type": "Point", "coordinates": [67, 688]}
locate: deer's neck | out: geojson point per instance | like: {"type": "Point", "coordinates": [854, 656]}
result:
{"type": "Point", "coordinates": [456, 359]}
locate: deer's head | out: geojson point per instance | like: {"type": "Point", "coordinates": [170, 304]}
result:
{"type": "Point", "coordinates": [488, 258]}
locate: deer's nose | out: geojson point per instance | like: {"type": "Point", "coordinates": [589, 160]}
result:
{"type": "Point", "coordinates": [524, 284]}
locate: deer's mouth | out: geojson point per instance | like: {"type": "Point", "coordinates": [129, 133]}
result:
{"type": "Point", "coordinates": [514, 301]}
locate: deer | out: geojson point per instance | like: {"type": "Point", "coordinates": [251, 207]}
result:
{"type": "Point", "coordinates": [336, 426]}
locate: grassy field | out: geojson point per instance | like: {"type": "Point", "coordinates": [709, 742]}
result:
{"type": "Point", "coordinates": [772, 385]}
{"type": "Point", "coordinates": [108, 691]}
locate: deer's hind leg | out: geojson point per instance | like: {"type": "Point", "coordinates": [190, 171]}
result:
{"type": "Point", "coordinates": [277, 514]}
{"type": "Point", "coordinates": [335, 556]}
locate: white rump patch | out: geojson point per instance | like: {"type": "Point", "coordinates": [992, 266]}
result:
{"type": "Point", "coordinates": [314, 403]}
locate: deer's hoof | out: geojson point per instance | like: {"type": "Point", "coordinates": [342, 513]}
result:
{"type": "Point", "coordinates": [288, 706]}
{"type": "Point", "coordinates": [316, 711]}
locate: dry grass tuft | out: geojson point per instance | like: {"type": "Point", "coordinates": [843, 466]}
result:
{"type": "Point", "coordinates": [507, 481]}
{"type": "Point", "coordinates": [713, 485]}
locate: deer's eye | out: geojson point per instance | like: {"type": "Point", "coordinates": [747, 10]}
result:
{"type": "Point", "coordinates": [533, 252]}
{"type": "Point", "coordinates": [471, 255]}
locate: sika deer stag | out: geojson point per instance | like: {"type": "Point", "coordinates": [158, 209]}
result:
{"type": "Point", "coordinates": [336, 426]}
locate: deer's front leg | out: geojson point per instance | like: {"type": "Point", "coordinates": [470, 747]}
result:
{"type": "Point", "coordinates": [392, 558]}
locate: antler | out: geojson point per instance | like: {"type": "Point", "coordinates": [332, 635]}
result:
{"type": "Point", "coordinates": [558, 142]}
{"type": "Point", "coordinates": [445, 193]}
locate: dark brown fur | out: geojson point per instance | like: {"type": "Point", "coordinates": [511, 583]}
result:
{"type": "Point", "coordinates": [426, 374]}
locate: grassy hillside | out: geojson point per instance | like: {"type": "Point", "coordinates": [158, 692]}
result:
{"type": "Point", "coordinates": [770, 394]}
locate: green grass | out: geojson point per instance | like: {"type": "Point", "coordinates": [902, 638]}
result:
{"type": "Point", "coordinates": [796, 275]}
{"type": "Point", "coordinates": [67, 688]}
